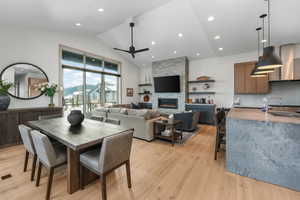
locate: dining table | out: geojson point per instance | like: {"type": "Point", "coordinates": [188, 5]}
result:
{"type": "Point", "coordinates": [76, 139]}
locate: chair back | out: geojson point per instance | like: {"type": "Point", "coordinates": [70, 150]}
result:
{"type": "Point", "coordinates": [42, 117]}
{"type": "Point", "coordinates": [25, 133]}
{"type": "Point", "coordinates": [115, 150]}
{"type": "Point", "coordinates": [44, 148]}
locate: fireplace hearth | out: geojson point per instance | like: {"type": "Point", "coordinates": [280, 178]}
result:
{"type": "Point", "coordinates": [168, 103]}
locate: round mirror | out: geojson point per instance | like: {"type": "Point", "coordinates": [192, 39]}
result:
{"type": "Point", "coordinates": [26, 78]}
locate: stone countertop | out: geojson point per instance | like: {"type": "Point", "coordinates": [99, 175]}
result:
{"type": "Point", "coordinates": [258, 115]}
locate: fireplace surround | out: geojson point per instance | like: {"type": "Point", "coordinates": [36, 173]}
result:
{"type": "Point", "coordinates": [169, 103]}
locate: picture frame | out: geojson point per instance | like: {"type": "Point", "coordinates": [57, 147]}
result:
{"type": "Point", "coordinates": [129, 92]}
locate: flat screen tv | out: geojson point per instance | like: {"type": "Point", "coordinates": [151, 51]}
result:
{"type": "Point", "coordinates": [167, 84]}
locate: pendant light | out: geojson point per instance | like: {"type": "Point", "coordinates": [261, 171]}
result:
{"type": "Point", "coordinates": [256, 73]}
{"type": "Point", "coordinates": [270, 60]}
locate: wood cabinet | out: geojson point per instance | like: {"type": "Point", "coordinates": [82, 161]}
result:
{"type": "Point", "coordinates": [10, 119]}
{"type": "Point", "coordinates": [245, 84]}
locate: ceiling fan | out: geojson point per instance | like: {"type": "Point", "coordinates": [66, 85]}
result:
{"type": "Point", "coordinates": [132, 50]}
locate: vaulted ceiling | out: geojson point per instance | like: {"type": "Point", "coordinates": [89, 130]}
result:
{"type": "Point", "coordinates": [161, 21]}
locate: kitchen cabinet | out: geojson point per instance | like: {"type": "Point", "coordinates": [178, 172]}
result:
{"type": "Point", "coordinates": [10, 119]}
{"type": "Point", "coordinates": [245, 84]}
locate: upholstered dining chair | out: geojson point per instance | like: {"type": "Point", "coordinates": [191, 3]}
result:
{"type": "Point", "coordinates": [114, 153]}
{"type": "Point", "coordinates": [50, 156]}
{"type": "Point", "coordinates": [25, 133]}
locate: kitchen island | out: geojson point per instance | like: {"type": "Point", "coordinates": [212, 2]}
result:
{"type": "Point", "coordinates": [264, 147]}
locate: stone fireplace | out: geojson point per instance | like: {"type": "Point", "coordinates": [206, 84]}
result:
{"type": "Point", "coordinates": [171, 102]}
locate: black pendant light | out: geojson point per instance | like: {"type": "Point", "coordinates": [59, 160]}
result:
{"type": "Point", "coordinates": [269, 60]}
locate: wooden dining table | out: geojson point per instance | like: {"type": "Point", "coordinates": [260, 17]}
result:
{"type": "Point", "coordinates": [76, 139]}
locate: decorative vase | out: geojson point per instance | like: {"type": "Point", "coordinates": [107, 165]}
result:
{"type": "Point", "coordinates": [51, 104]}
{"type": "Point", "coordinates": [75, 118]}
{"type": "Point", "coordinates": [4, 102]}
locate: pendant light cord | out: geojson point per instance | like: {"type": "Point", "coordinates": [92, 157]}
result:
{"type": "Point", "coordinates": [269, 22]}
{"type": "Point", "coordinates": [258, 38]}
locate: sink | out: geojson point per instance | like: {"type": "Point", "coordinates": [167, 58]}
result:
{"type": "Point", "coordinates": [285, 114]}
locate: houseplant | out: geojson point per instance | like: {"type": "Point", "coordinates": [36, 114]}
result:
{"type": "Point", "coordinates": [49, 90]}
{"type": "Point", "coordinates": [4, 98]}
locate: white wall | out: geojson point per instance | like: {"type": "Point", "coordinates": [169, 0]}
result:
{"type": "Point", "coordinates": [42, 49]}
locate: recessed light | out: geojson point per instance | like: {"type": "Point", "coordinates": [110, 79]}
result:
{"type": "Point", "coordinates": [220, 49]}
{"type": "Point", "coordinates": [144, 64]}
{"type": "Point", "coordinates": [77, 24]}
{"type": "Point", "coordinates": [198, 54]}
{"type": "Point", "coordinates": [174, 52]}
{"type": "Point", "coordinates": [100, 9]}
{"type": "Point", "coordinates": [263, 41]}
{"type": "Point", "coordinates": [153, 42]}
{"type": "Point", "coordinates": [217, 37]}
{"type": "Point", "coordinates": [180, 35]}
{"type": "Point", "coordinates": [211, 18]}
{"type": "Point", "coordinates": [152, 56]}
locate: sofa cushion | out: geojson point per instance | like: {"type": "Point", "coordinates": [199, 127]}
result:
{"type": "Point", "coordinates": [140, 113]}
{"type": "Point", "coordinates": [114, 110]}
{"type": "Point", "coordinates": [134, 106]}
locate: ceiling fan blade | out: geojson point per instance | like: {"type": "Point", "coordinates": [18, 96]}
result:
{"type": "Point", "coordinates": [141, 50]}
{"type": "Point", "coordinates": [121, 50]}
{"type": "Point", "coordinates": [133, 56]}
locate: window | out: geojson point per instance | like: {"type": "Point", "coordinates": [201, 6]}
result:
{"type": "Point", "coordinates": [89, 81]}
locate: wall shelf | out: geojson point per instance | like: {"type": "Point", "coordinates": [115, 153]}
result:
{"type": "Point", "coordinates": [145, 84]}
{"type": "Point", "coordinates": [201, 81]}
{"type": "Point", "coordinates": [194, 93]}
{"type": "Point", "coordinates": [145, 93]}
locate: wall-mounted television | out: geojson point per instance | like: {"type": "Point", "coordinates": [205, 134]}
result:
{"type": "Point", "coordinates": [167, 84]}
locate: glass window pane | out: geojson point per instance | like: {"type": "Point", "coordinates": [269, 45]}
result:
{"type": "Point", "coordinates": [73, 89]}
{"type": "Point", "coordinates": [94, 64]}
{"type": "Point", "coordinates": [72, 59]}
{"type": "Point", "coordinates": [93, 91]}
{"type": "Point", "coordinates": [111, 89]}
{"type": "Point", "coordinates": [111, 67]}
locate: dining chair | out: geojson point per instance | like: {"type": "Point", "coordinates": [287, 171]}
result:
{"type": "Point", "coordinates": [114, 153]}
{"type": "Point", "coordinates": [25, 133]}
{"type": "Point", "coordinates": [50, 156]}
{"type": "Point", "coordinates": [42, 117]}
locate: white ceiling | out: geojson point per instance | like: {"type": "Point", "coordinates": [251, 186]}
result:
{"type": "Point", "coordinates": [161, 21]}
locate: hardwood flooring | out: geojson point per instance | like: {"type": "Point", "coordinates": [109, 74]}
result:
{"type": "Point", "coordinates": [159, 172]}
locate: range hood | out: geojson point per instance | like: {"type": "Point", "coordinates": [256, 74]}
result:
{"type": "Point", "coordinates": [290, 56]}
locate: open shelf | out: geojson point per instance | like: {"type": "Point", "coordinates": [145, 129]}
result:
{"type": "Point", "coordinates": [201, 93]}
{"type": "Point", "coordinates": [201, 81]}
{"type": "Point", "coordinates": [145, 93]}
{"type": "Point", "coordinates": [145, 84]}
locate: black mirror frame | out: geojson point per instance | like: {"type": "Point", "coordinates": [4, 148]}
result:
{"type": "Point", "coordinates": [24, 63]}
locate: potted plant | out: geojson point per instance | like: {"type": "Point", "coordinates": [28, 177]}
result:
{"type": "Point", "coordinates": [4, 98]}
{"type": "Point", "coordinates": [49, 90]}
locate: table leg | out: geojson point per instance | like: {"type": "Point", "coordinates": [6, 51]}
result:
{"type": "Point", "coordinates": [73, 171]}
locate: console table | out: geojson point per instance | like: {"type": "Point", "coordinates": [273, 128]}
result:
{"type": "Point", "coordinates": [11, 118]}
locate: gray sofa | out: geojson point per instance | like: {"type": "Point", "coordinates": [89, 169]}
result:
{"type": "Point", "coordinates": [139, 119]}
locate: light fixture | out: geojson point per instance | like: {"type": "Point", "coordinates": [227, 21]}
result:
{"type": "Point", "coordinates": [180, 35]}
{"type": "Point", "coordinates": [220, 49]}
{"type": "Point", "coordinates": [198, 54]}
{"type": "Point", "coordinates": [77, 24]}
{"type": "Point", "coordinates": [175, 52]}
{"type": "Point", "coordinates": [217, 37]}
{"type": "Point", "coordinates": [211, 18]}
{"type": "Point", "coordinates": [153, 42]}
{"type": "Point", "coordinates": [270, 60]}
{"type": "Point", "coordinates": [100, 9]}
{"type": "Point", "coordinates": [263, 41]}
{"type": "Point", "coordinates": [152, 56]}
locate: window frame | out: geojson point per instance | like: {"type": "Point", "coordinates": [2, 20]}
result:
{"type": "Point", "coordinates": [84, 70]}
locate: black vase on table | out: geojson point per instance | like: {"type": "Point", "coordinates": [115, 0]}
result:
{"type": "Point", "coordinates": [4, 102]}
{"type": "Point", "coordinates": [75, 118]}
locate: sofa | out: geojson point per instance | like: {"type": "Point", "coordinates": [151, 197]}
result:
{"type": "Point", "coordinates": [139, 119]}
{"type": "Point", "coordinates": [190, 120]}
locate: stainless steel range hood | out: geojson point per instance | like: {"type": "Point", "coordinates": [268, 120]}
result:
{"type": "Point", "coordinates": [291, 64]}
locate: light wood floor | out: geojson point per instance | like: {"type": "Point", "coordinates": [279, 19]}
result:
{"type": "Point", "coordinates": [159, 171]}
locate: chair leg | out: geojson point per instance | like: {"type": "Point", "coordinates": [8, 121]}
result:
{"type": "Point", "coordinates": [49, 185]}
{"type": "Point", "coordinates": [217, 146]}
{"type": "Point", "coordinates": [103, 186]}
{"type": "Point", "coordinates": [38, 175]}
{"type": "Point", "coordinates": [33, 167]}
{"type": "Point", "coordinates": [26, 161]}
{"type": "Point", "coordinates": [128, 174]}
{"type": "Point", "coordinates": [81, 176]}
